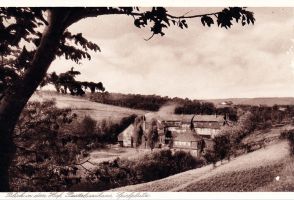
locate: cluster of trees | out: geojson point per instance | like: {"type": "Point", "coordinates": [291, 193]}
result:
{"type": "Point", "coordinates": [66, 81]}
{"type": "Point", "coordinates": [266, 116]}
{"type": "Point", "coordinates": [188, 106]}
{"type": "Point", "coordinates": [151, 135]}
{"type": "Point", "coordinates": [122, 172]}
{"type": "Point", "coordinates": [195, 107]}
{"type": "Point", "coordinates": [136, 101]}
{"type": "Point", "coordinates": [49, 143]}
{"type": "Point", "coordinates": [45, 30]}
{"type": "Point", "coordinates": [229, 140]}
{"type": "Point", "coordinates": [250, 118]}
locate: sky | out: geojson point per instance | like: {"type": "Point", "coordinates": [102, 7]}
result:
{"type": "Point", "coordinates": [198, 62]}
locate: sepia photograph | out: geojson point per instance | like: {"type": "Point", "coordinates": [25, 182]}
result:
{"type": "Point", "coordinates": [146, 99]}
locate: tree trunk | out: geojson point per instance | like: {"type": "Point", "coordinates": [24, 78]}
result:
{"type": "Point", "coordinates": [16, 98]}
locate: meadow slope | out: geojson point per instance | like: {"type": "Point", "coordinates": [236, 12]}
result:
{"type": "Point", "coordinates": [81, 106]}
{"type": "Point", "coordinates": [250, 172]}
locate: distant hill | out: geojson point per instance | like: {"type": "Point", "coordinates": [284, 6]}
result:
{"type": "Point", "coordinates": [159, 100]}
{"type": "Point", "coordinates": [83, 106]}
{"type": "Point", "coordinates": [270, 101]}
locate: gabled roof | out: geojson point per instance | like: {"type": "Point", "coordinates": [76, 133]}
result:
{"type": "Point", "coordinates": [212, 125]}
{"type": "Point", "coordinates": [184, 118]}
{"type": "Point", "coordinates": [188, 136]}
{"type": "Point", "coordinates": [127, 133]}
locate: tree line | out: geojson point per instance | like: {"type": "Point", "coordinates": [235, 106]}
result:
{"type": "Point", "coordinates": [135, 101]}
{"type": "Point", "coordinates": [155, 102]}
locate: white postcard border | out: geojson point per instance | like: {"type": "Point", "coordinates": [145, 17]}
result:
{"type": "Point", "coordinates": [149, 195]}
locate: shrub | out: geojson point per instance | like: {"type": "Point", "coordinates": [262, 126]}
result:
{"type": "Point", "coordinates": [87, 125]}
{"type": "Point", "coordinates": [210, 157]}
{"type": "Point", "coordinates": [184, 161]}
{"type": "Point", "coordinates": [155, 166]}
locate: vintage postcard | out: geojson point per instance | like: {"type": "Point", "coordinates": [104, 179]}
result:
{"type": "Point", "coordinates": [146, 100]}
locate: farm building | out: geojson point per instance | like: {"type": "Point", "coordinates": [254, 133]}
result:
{"type": "Point", "coordinates": [179, 132]}
{"type": "Point", "coordinates": [125, 138]}
{"type": "Point", "coordinates": [189, 141]}
{"type": "Point", "coordinates": [204, 125]}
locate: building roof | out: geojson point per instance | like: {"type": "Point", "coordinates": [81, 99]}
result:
{"type": "Point", "coordinates": [127, 133]}
{"type": "Point", "coordinates": [211, 125]}
{"type": "Point", "coordinates": [188, 136]}
{"type": "Point", "coordinates": [184, 118]}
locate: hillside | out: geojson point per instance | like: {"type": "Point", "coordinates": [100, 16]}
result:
{"type": "Point", "coordinates": [81, 106]}
{"type": "Point", "coordinates": [254, 171]}
{"type": "Point", "coordinates": [270, 101]}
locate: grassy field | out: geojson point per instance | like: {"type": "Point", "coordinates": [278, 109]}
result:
{"type": "Point", "coordinates": [244, 173]}
{"type": "Point", "coordinates": [237, 181]}
{"type": "Point", "coordinates": [82, 106]}
{"type": "Point", "coordinates": [286, 179]}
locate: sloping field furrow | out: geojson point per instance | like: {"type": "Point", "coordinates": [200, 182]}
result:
{"type": "Point", "coordinates": [238, 181]}
{"type": "Point", "coordinates": [254, 163]}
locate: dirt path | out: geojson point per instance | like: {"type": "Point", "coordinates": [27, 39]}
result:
{"type": "Point", "coordinates": [269, 155]}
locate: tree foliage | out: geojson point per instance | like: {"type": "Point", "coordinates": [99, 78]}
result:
{"type": "Point", "coordinates": [152, 134]}
{"type": "Point", "coordinates": [26, 24]}
{"type": "Point", "coordinates": [138, 131]}
{"type": "Point", "coordinates": [43, 161]}
{"type": "Point", "coordinates": [222, 146]}
{"type": "Point", "coordinates": [66, 81]}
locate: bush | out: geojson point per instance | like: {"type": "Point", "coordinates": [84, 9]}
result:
{"type": "Point", "coordinates": [87, 125]}
{"type": "Point", "coordinates": [185, 161]}
{"type": "Point", "coordinates": [210, 157]}
{"type": "Point", "coordinates": [155, 166]}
